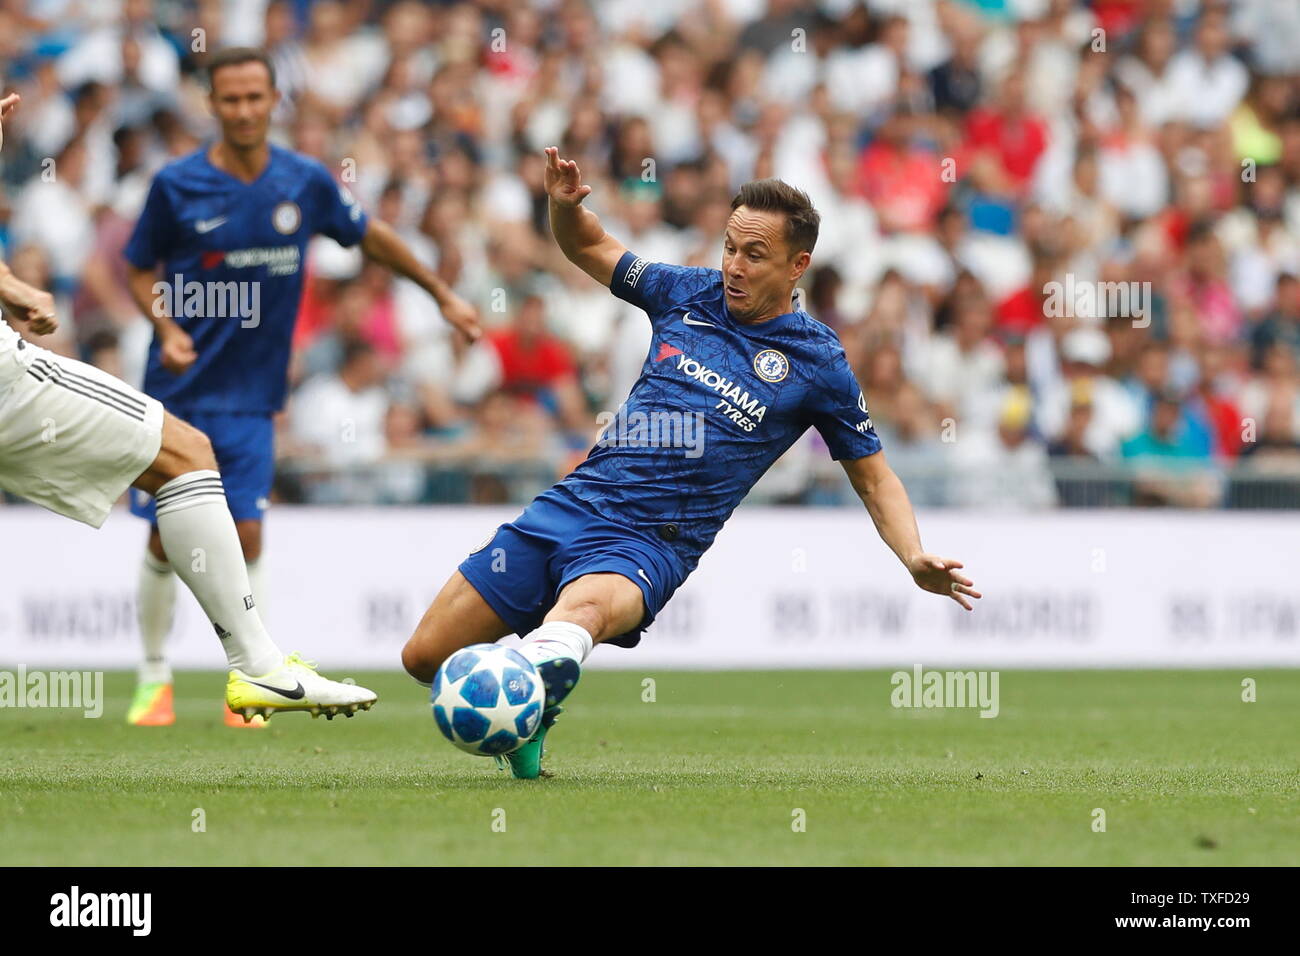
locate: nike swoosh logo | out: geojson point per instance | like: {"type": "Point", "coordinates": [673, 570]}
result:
{"type": "Point", "coordinates": [689, 321]}
{"type": "Point", "coordinates": [645, 577]}
{"type": "Point", "coordinates": [207, 225]}
{"type": "Point", "coordinates": [295, 693]}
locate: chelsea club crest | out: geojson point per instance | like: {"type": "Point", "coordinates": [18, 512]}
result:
{"type": "Point", "coordinates": [771, 365]}
{"type": "Point", "coordinates": [286, 218]}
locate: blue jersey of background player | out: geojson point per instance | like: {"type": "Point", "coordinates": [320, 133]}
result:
{"type": "Point", "coordinates": [594, 558]}
{"type": "Point", "coordinates": [216, 262]}
{"type": "Point", "coordinates": [232, 257]}
{"type": "Point", "coordinates": [205, 226]}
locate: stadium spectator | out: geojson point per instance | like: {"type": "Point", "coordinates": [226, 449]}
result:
{"type": "Point", "coordinates": [54, 214]}
{"type": "Point", "coordinates": [1282, 325]}
{"type": "Point", "coordinates": [901, 180]}
{"type": "Point", "coordinates": [1166, 454]}
{"type": "Point", "coordinates": [1115, 415]}
{"type": "Point", "coordinates": [1007, 136]}
{"type": "Point", "coordinates": [537, 367]}
{"type": "Point", "coordinates": [340, 417]}
{"type": "Point", "coordinates": [132, 48]}
{"type": "Point", "coordinates": [1005, 469]}
{"type": "Point", "coordinates": [1072, 442]}
{"type": "Point", "coordinates": [1207, 81]}
{"type": "Point", "coordinates": [963, 363]}
{"type": "Point", "coordinates": [917, 451]}
{"type": "Point", "coordinates": [1212, 404]}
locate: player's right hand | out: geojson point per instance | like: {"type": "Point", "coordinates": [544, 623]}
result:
{"type": "Point", "coordinates": [30, 304]}
{"type": "Point", "coordinates": [563, 180]}
{"type": "Point", "coordinates": [177, 351]}
{"type": "Point", "coordinates": [940, 576]}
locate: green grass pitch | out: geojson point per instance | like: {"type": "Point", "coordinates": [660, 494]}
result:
{"type": "Point", "coordinates": [711, 772]}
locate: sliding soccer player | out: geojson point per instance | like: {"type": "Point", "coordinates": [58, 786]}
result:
{"type": "Point", "coordinates": [73, 439]}
{"type": "Point", "coordinates": [596, 557]}
{"type": "Point", "coordinates": [229, 225]}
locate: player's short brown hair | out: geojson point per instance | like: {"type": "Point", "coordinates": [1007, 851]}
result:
{"type": "Point", "coordinates": [774, 195]}
{"type": "Point", "coordinates": [236, 55]}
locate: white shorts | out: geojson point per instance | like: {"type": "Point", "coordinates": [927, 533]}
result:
{"type": "Point", "coordinates": [72, 437]}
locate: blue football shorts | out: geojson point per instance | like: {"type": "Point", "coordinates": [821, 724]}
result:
{"type": "Point", "coordinates": [244, 444]}
{"type": "Point", "coordinates": [521, 569]}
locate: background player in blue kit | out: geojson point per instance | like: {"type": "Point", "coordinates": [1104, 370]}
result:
{"type": "Point", "coordinates": [597, 556]}
{"type": "Point", "coordinates": [229, 225]}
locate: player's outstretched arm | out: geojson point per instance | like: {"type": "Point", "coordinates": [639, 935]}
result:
{"type": "Point", "coordinates": [578, 231]}
{"type": "Point", "coordinates": [891, 511]}
{"type": "Point", "coordinates": [383, 245]}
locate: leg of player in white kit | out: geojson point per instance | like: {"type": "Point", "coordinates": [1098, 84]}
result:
{"type": "Point", "coordinates": [72, 438]}
{"type": "Point", "coordinates": [202, 545]}
{"type": "Point", "coordinates": [152, 703]}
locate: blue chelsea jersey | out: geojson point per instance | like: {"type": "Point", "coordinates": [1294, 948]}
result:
{"type": "Point", "coordinates": [232, 256]}
{"type": "Point", "coordinates": [716, 404]}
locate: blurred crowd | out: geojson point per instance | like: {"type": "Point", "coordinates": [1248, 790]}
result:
{"type": "Point", "coordinates": [1060, 239]}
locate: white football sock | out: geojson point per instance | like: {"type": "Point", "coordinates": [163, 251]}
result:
{"type": "Point", "coordinates": [155, 610]}
{"type": "Point", "coordinates": [257, 582]}
{"type": "Point", "coordinates": [202, 544]}
{"type": "Point", "coordinates": [556, 639]}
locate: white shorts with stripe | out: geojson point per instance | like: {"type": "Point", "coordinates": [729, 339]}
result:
{"type": "Point", "coordinates": [72, 437]}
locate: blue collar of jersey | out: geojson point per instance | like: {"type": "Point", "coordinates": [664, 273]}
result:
{"type": "Point", "coordinates": [207, 161]}
{"type": "Point", "coordinates": [775, 324]}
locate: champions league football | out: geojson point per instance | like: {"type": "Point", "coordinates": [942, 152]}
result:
{"type": "Point", "coordinates": [487, 699]}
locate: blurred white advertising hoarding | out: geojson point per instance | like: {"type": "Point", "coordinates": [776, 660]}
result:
{"type": "Point", "coordinates": [781, 588]}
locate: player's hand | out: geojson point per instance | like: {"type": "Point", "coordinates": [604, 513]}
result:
{"type": "Point", "coordinates": [939, 576]}
{"type": "Point", "coordinates": [562, 180]}
{"type": "Point", "coordinates": [177, 351]}
{"type": "Point", "coordinates": [7, 105]}
{"type": "Point", "coordinates": [31, 305]}
{"type": "Point", "coordinates": [462, 315]}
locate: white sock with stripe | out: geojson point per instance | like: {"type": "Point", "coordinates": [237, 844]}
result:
{"type": "Point", "coordinates": [202, 545]}
{"type": "Point", "coordinates": [556, 639]}
{"type": "Point", "coordinates": [257, 583]}
{"type": "Point", "coordinates": [155, 610]}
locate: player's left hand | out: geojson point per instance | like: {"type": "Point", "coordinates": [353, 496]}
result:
{"type": "Point", "coordinates": [939, 576]}
{"type": "Point", "coordinates": [7, 106]}
{"type": "Point", "coordinates": [462, 315]}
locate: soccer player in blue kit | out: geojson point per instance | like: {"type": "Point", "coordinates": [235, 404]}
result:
{"type": "Point", "coordinates": [594, 559]}
{"type": "Point", "coordinates": [230, 224]}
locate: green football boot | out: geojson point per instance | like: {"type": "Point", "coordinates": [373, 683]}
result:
{"type": "Point", "coordinates": [559, 677]}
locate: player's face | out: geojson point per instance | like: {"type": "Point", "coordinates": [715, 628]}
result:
{"type": "Point", "coordinates": [759, 271]}
{"type": "Point", "coordinates": [242, 100]}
